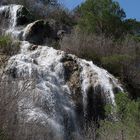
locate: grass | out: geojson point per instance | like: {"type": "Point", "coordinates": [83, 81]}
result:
{"type": "Point", "coordinates": [8, 46]}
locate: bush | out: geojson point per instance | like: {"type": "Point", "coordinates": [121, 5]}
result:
{"type": "Point", "coordinates": [121, 57]}
{"type": "Point", "coordinates": [83, 45]}
{"type": "Point", "coordinates": [101, 16]}
{"type": "Point", "coordinates": [2, 135]}
{"type": "Point", "coordinates": [126, 127]}
{"type": "Point", "coordinates": [7, 49]}
{"type": "Point", "coordinates": [7, 46]}
{"type": "Point", "coordinates": [115, 63]}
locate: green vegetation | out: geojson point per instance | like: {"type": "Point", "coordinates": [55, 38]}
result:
{"type": "Point", "coordinates": [100, 33]}
{"type": "Point", "coordinates": [7, 46]}
{"type": "Point", "coordinates": [7, 49]}
{"type": "Point", "coordinates": [105, 17]}
{"type": "Point", "coordinates": [101, 16]}
{"type": "Point", "coordinates": [114, 63]}
{"type": "Point", "coordinates": [2, 135]}
{"type": "Point", "coordinates": [104, 36]}
{"type": "Point", "coordinates": [126, 126]}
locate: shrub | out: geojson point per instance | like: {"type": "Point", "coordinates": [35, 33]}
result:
{"type": "Point", "coordinates": [114, 63]}
{"type": "Point", "coordinates": [126, 127]}
{"type": "Point", "coordinates": [7, 46]}
{"type": "Point", "coordinates": [83, 45]}
{"type": "Point", "coordinates": [120, 57]}
{"type": "Point", "coordinates": [7, 49]}
{"type": "Point", "coordinates": [101, 16]}
{"type": "Point", "coordinates": [2, 135]}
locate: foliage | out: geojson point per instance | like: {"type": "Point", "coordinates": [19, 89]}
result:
{"type": "Point", "coordinates": [101, 16]}
{"type": "Point", "coordinates": [62, 16]}
{"type": "Point", "coordinates": [83, 45]}
{"type": "Point", "coordinates": [132, 26]}
{"type": "Point", "coordinates": [7, 46]}
{"type": "Point", "coordinates": [127, 125]}
{"type": "Point", "coordinates": [114, 63]}
{"type": "Point", "coordinates": [2, 135]}
{"type": "Point", "coordinates": [105, 17]}
{"type": "Point", "coordinates": [121, 57]}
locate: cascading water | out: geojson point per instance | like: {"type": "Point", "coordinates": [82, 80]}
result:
{"type": "Point", "coordinates": [50, 82]}
{"type": "Point", "coordinates": [53, 105]}
{"type": "Point", "coordinates": [11, 11]}
{"type": "Point", "coordinates": [93, 76]}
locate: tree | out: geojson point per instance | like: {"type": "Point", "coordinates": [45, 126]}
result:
{"type": "Point", "coordinates": [101, 16]}
{"type": "Point", "coordinates": [52, 2]}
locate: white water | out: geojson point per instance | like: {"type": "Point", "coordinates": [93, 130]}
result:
{"type": "Point", "coordinates": [50, 84]}
{"type": "Point", "coordinates": [50, 103]}
{"type": "Point", "coordinates": [12, 11]}
{"type": "Point", "coordinates": [93, 76]}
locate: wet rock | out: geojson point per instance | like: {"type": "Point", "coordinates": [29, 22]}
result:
{"type": "Point", "coordinates": [33, 47]}
{"type": "Point", "coordinates": [72, 76]}
{"type": "Point", "coordinates": [23, 16]}
{"type": "Point", "coordinates": [4, 16]}
{"type": "Point", "coordinates": [14, 15]}
{"type": "Point", "coordinates": [36, 32]}
{"type": "Point", "coordinates": [60, 34]}
{"type": "Point", "coordinates": [116, 90]}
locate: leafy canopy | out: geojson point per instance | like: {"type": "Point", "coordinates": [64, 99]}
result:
{"type": "Point", "coordinates": [101, 16]}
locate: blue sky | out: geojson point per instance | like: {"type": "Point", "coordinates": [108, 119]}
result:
{"type": "Point", "coordinates": [131, 7]}
{"type": "Point", "coordinates": [71, 3]}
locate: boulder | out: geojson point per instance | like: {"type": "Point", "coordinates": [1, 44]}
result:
{"type": "Point", "coordinates": [23, 16]}
{"type": "Point", "coordinates": [61, 33]}
{"type": "Point", "coordinates": [36, 32]}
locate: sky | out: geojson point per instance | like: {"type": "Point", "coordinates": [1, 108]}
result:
{"type": "Point", "coordinates": [131, 7]}
{"type": "Point", "coordinates": [70, 4]}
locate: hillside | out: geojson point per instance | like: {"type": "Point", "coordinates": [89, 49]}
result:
{"type": "Point", "coordinates": [63, 92]}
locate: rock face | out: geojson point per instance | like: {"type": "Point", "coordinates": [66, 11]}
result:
{"type": "Point", "coordinates": [73, 79]}
{"type": "Point", "coordinates": [67, 91]}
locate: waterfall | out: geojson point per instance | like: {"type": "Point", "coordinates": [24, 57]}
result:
{"type": "Point", "coordinates": [51, 102]}
{"type": "Point", "coordinates": [12, 10]}
{"type": "Point", "coordinates": [93, 76]}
